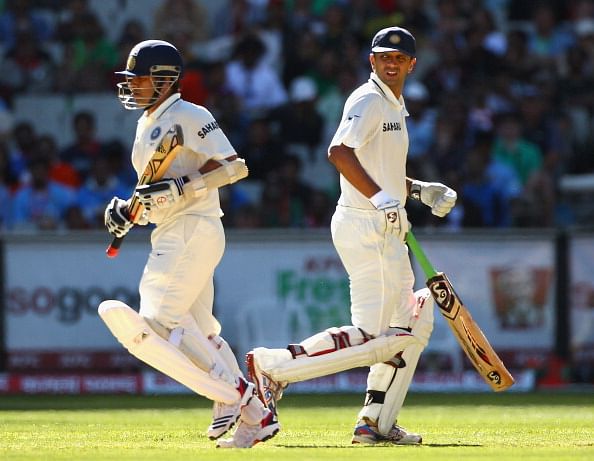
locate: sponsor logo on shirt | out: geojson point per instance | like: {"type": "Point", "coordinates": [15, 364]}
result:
{"type": "Point", "coordinates": [202, 132]}
{"type": "Point", "coordinates": [391, 126]}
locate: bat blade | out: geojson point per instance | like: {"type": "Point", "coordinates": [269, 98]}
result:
{"type": "Point", "coordinates": [469, 335]}
{"type": "Point", "coordinates": [170, 145]}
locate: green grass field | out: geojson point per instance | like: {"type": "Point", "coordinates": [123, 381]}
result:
{"type": "Point", "coordinates": [543, 426]}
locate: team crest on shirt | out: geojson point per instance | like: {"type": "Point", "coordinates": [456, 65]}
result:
{"type": "Point", "coordinates": [156, 132]}
{"type": "Point", "coordinates": [391, 126]}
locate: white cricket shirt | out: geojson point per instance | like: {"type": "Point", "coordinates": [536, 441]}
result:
{"type": "Point", "coordinates": [373, 124]}
{"type": "Point", "coordinates": [202, 135]}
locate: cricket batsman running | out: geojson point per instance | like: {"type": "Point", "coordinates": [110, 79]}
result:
{"type": "Point", "coordinates": [175, 330]}
{"type": "Point", "coordinates": [391, 325]}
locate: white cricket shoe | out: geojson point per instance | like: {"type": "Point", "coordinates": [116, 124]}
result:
{"type": "Point", "coordinates": [225, 416]}
{"type": "Point", "coordinates": [366, 432]}
{"type": "Point", "coordinates": [247, 435]}
{"type": "Point", "coordinates": [268, 390]}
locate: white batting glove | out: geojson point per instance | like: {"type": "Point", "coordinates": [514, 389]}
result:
{"type": "Point", "coordinates": [439, 197]}
{"type": "Point", "coordinates": [161, 194]}
{"type": "Point", "coordinates": [116, 217]}
{"type": "Point", "coordinates": [394, 212]}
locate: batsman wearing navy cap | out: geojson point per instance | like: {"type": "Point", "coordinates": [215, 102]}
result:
{"type": "Point", "coordinates": [391, 324]}
{"type": "Point", "coordinates": [174, 329]}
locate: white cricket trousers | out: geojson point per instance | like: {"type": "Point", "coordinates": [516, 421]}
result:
{"type": "Point", "coordinates": [380, 274]}
{"type": "Point", "coordinates": [178, 276]}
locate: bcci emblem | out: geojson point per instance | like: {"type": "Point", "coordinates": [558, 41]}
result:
{"type": "Point", "coordinates": [131, 63]}
{"type": "Point", "coordinates": [155, 133]}
{"type": "Point", "coordinates": [394, 39]}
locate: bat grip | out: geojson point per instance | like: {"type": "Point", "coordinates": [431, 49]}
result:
{"type": "Point", "coordinates": [422, 259]}
{"type": "Point", "coordinates": [114, 248]}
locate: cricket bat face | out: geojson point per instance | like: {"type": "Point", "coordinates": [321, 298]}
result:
{"type": "Point", "coordinates": [159, 163]}
{"type": "Point", "coordinates": [169, 146]}
{"type": "Point", "coordinates": [470, 337]}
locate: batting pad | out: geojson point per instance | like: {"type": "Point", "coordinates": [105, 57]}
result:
{"type": "Point", "coordinates": [397, 391]}
{"type": "Point", "coordinates": [284, 368]}
{"type": "Point", "coordinates": [135, 334]}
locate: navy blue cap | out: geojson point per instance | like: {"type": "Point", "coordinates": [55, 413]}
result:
{"type": "Point", "coordinates": [153, 57]}
{"type": "Point", "coordinates": [394, 39]}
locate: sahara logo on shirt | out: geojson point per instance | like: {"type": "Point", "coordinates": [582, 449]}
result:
{"type": "Point", "coordinates": [391, 126]}
{"type": "Point", "coordinates": [202, 132]}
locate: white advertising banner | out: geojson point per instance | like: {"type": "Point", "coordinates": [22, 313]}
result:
{"type": "Point", "coordinates": [270, 294]}
{"type": "Point", "coordinates": [54, 288]}
{"type": "Point", "coordinates": [272, 291]}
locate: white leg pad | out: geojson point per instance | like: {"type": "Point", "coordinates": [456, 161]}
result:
{"type": "Point", "coordinates": [421, 324]}
{"type": "Point", "coordinates": [135, 334]}
{"type": "Point", "coordinates": [397, 391]}
{"type": "Point", "coordinates": [226, 354]}
{"type": "Point", "coordinates": [391, 384]}
{"type": "Point", "coordinates": [280, 365]}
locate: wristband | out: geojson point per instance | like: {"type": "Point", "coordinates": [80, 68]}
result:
{"type": "Point", "coordinates": [415, 191]}
{"type": "Point", "coordinates": [380, 198]}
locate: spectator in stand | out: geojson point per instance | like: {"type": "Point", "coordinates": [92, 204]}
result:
{"type": "Point", "coordinates": [100, 186]}
{"type": "Point", "coordinates": [19, 17]}
{"type": "Point", "coordinates": [490, 188]}
{"type": "Point", "coordinates": [118, 164]}
{"type": "Point", "coordinates": [326, 71]}
{"type": "Point", "coordinates": [6, 182]}
{"type": "Point", "coordinates": [262, 151]}
{"type": "Point", "coordinates": [304, 50]}
{"type": "Point", "coordinates": [285, 196]}
{"type": "Point", "coordinates": [60, 171]}
{"type": "Point", "coordinates": [42, 203]}
{"type": "Point", "coordinates": [86, 147]}
{"type": "Point", "coordinates": [26, 68]}
{"type": "Point", "coordinates": [22, 146]}
{"type": "Point", "coordinates": [187, 17]}
{"type": "Point", "coordinates": [70, 20]}
{"type": "Point", "coordinates": [89, 58]}
{"type": "Point", "coordinates": [512, 148]}
{"type": "Point", "coordinates": [420, 125]}
{"type": "Point", "coordinates": [518, 62]}
{"type": "Point", "coordinates": [300, 126]}
{"type": "Point", "coordinates": [222, 102]}
{"type": "Point", "coordinates": [257, 85]}
{"type": "Point", "coordinates": [547, 39]}
{"type": "Point", "coordinates": [319, 211]}
{"type": "Point", "coordinates": [334, 28]}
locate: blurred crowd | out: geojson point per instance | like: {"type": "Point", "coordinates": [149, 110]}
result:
{"type": "Point", "coordinates": [501, 103]}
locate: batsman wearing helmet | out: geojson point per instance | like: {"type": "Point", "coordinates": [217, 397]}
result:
{"type": "Point", "coordinates": [391, 324]}
{"type": "Point", "coordinates": [175, 330]}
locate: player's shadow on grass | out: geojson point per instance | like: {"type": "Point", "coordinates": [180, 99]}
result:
{"type": "Point", "coordinates": [384, 445]}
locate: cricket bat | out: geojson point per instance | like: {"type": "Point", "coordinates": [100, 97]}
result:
{"type": "Point", "coordinates": [469, 335]}
{"type": "Point", "coordinates": [170, 145]}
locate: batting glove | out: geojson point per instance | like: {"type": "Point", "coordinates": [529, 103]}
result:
{"type": "Point", "coordinates": [439, 197]}
{"type": "Point", "coordinates": [161, 194]}
{"type": "Point", "coordinates": [116, 217]}
{"type": "Point", "coordinates": [394, 213]}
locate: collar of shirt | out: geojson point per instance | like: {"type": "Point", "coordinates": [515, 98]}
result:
{"type": "Point", "coordinates": [165, 105]}
{"type": "Point", "coordinates": [387, 92]}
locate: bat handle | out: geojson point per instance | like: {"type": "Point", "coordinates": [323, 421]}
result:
{"type": "Point", "coordinates": [114, 248]}
{"type": "Point", "coordinates": [422, 259]}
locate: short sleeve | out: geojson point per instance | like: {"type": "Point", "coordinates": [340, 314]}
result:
{"type": "Point", "coordinates": [204, 135]}
{"type": "Point", "coordinates": [360, 121]}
